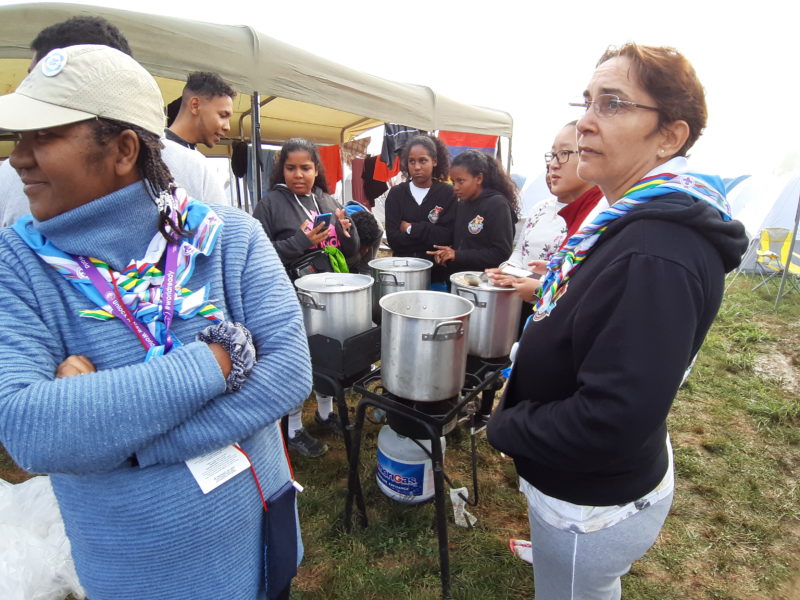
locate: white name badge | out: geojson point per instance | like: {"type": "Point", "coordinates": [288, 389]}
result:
{"type": "Point", "coordinates": [215, 468]}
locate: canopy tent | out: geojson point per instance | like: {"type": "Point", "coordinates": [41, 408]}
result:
{"type": "Point", "coordinates": [299, 94]}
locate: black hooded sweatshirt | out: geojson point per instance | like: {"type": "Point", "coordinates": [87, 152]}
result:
{"type": "Point", "coordinates": [483, 232]}
{"type": "Point", "coordinates": [584, 414]}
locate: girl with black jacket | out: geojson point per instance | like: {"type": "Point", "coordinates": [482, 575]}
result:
{"type": "Point", "coordinates": [298, 193]}
{"type": "Point", "coordinates": [483, 231]}
{"type": "Point", "coordinates": [421, 210]}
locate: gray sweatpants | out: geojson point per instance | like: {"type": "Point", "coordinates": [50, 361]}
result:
{"type": "Point", "coordinates": [588, 566]}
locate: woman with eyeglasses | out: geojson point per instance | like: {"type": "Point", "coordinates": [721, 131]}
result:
{"type": "Point", "coordinates": [553, 220]}
{"type": "Point", "coordinates": [625, 305]}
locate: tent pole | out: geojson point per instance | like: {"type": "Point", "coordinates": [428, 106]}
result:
{"type": "Point", "coordinates": [255, 155]}
{"type": "Point", "coordinates": [786, 267]}
{"type": "Point", "coordinates": [508, 167]}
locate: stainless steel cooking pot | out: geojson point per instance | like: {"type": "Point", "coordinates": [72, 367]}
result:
{"type": "Point", "coordinates": [397, 274]}
{"type": "Point", "coordinates": [495, 323]}
{"type": "Point", "coordinates": [424, 344]}
{"type": "Point", "coordinates": [337, 305]}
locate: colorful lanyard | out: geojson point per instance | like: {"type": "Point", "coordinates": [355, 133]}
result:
{"type": "Point", "coordinates": [118, 308]}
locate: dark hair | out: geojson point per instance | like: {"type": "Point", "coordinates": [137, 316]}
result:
{"type": "Point", "coordinates": [79, 30]}
{"type": "Point", "coordinates": [297, 145]}
{"type": "Point", "coordinates": [436, 150]}
{"type": "Point", "coordinates": [494, 176]}
{"type": "Point", "coordinates": [208, 85]}
{"type": "Point", "coordinates": [671, 80]}
{"type": "Point", "coordinates": [151, 166]}
{"type": "Point", "coordinates": [369, 232]}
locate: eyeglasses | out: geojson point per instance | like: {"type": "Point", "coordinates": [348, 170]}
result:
{"type": "Point", "coordinates": [607, 105]}
{"type": "Point", "coordinates": [562, 156]}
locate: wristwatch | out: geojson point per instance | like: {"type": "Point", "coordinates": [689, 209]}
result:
{"type": "Point", "coordinates": [408, 229]}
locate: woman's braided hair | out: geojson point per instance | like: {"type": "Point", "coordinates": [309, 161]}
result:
{"type": "Point", "coordinates": [154, 171]}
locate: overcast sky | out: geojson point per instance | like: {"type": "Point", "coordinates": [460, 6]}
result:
{"type": "Point", "coordinates": [531, 58]}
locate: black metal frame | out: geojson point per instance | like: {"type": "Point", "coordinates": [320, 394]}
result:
{"type": "Point", "coordinates": [483, 379]}
{"type": "Point", "coordinates": [338, 365]}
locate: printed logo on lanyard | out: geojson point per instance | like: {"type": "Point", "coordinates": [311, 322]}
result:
{"type": "Point", "coordinates": [476, 225]}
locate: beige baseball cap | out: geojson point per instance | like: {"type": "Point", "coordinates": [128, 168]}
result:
{"type": "Point", "coordinates": [82, 82]}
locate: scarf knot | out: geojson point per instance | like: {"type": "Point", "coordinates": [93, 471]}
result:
{"type": "Point", "coordinates": [568, 259]}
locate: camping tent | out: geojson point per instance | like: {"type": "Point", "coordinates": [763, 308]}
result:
{"type": "Point", "coordinates": [765, 201]}
{"type": "Point", "coordinates": [299, 94]}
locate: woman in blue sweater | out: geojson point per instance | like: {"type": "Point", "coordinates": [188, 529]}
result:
{"type": "Point", "coordinates": [142, 331]}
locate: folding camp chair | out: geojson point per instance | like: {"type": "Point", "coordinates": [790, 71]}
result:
{"type": "Point", "coordinates": [768, 263]}
{"type": "Point", "coordinates": [790, 262]}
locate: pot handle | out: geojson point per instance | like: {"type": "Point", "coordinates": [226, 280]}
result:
{"type": "Point", "coordinates": [474, 299]}
{"type": "Point", "coordinates": [440, 337]}
{"type": "Point", "coordinates": [308, 301]}
{"type": "Point", "coordinates": [384, 274]}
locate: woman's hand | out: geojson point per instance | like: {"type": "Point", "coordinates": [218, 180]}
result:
{"type": "Point", "coordinates": [527, 288]}
{"type": "Point", "coordinates": [538, 266]}
{"type": "Point", "coordinates": [75, 364]}
{"type": "Point", "coordinates": [498, 278]}
{"type": "Point", "coordinates": [317, 234]}
{"type": "Point", "coordinates": [443, 254]}
{"type": "Point", "coordinates": [222, 357]}
{"type": "Point", "coordinates": [341, 216]}
{"type": "Point", "coordinates": [233, 349]}
{"type": "Point", "coordinates": [404, 225]}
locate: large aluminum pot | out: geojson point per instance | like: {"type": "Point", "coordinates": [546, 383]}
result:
{"type": "Point", "coordinates": [495, 323]}
{"type": "Point", "coordinates": [397, 274]}
{"type": "Point", "coordinates": [337, 305]}
{"type": "Point", "coordinates": [424, 344]}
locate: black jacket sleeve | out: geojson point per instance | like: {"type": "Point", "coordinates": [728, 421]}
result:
{"type": "Point", "coordinates": [288, 248]}
{"type": "Point", "coordinates": [400, 242]}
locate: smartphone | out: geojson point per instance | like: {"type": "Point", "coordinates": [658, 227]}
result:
{"type": "Point", "coordinates": [322, 218]}
{"type": "Point", "coordinates": [509, 269]}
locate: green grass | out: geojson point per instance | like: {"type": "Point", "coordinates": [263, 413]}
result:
{"type": "Point", "coordinates": [734, 528]}
{"type": "Point", "coordinates": [733, 532]}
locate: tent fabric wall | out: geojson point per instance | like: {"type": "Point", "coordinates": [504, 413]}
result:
{"type": "Point", "coordinates": [762, 202]}
{"type": "Point", "coordinates": [304, 94]}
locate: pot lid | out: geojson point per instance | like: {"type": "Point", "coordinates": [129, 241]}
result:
{"type": "Point", "coordinates": [333, 282]}
{"type": "Point", "coordinates": [472, 280]}
{"type": "Point", "coordinates": [400, 264]}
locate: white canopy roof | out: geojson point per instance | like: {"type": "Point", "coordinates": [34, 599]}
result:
{"type": "Point", "coordinates": [302, 94]}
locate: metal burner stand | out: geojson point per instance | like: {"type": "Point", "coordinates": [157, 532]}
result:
{"type": "Point", "coordinates": [336, 366]}
{"type": "Point", "coordinates": [479, 380]}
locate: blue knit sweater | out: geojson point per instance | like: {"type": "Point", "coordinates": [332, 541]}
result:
{"type": "Point", "coordinates": [148, 531]}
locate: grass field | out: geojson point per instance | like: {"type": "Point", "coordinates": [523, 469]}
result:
{"type": "Point", "coordinates": [734, 528]}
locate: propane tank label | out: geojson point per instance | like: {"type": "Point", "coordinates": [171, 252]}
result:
{"type": "Point", "coordinates": [402, 478]}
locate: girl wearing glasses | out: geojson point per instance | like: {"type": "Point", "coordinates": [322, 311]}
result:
{"type": "Point", "coordinates": [625, 305]}
{"type": "Point", "coordinates": [483, 232]}
{"type": "Point", "coordinates": [555, 219]}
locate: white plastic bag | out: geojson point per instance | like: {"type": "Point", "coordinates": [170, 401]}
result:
{"type": "Point", "coordinates": [35, 558]}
